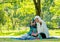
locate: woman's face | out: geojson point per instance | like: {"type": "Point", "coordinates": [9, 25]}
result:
{"type": "Point", "coordinates": [36, 20]}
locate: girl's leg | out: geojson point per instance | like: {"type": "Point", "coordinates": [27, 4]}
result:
{"type": "Point", "coordinates": [26, 37]}
{"type": "Point", "coordinates": [31, 30]}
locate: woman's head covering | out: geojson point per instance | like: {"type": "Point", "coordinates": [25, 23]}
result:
{"type": "Point", "coordinates": [38, 18]}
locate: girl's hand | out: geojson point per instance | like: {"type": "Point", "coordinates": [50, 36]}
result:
{"type": "Point", "coordinates": [33, 34]}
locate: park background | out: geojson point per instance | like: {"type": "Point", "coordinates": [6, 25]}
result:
{"type": "Point", "coordinates": [15, 16]}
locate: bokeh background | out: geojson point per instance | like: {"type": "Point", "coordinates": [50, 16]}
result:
{"type": "Point", "coordinates": [15, 16]}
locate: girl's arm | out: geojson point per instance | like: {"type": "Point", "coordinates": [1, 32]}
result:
{"type": "Point", "coordinates": [34, 34]}
{"type": "Point", "coordinates": [32, 23]}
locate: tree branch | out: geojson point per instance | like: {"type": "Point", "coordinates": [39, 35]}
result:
{"type": "Point", "coordinates": [35, 2]}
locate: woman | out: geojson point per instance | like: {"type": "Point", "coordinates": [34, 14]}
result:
{"type": "Point", "coordinates": [42, 27]}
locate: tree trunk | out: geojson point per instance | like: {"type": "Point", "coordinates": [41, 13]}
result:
{"type": "Point", "coordinates": [37, 7]}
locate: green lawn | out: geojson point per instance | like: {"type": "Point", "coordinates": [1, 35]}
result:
{"type": "Point", "coordinates": [55, 32]}
{"type": "Point", "coordinates": [43, 40]}
{"type": "Point", "coordinates": [18, 32]}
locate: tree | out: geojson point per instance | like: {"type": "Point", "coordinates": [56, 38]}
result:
{"type": "Point", "coordinates": [37, 7]}
{"type": "Point", "coordinates": [2, 17]}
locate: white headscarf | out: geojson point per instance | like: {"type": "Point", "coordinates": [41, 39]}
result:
{"type": "Point", "coordinates": [38, 18]}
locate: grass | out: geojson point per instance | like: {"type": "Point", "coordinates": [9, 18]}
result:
{"type": "Point", "coordinates": [14, 32]}
{"type": "Point", "coordinates": [43, 40]}
{"type": "Point", "coordinates": [55, 32]}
